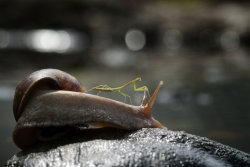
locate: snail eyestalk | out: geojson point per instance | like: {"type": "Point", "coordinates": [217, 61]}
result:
{"type": "Point", "coordinates": [148, 107]}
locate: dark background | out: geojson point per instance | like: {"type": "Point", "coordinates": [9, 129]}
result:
{"type": "Point", "coordinates": [200, 49]}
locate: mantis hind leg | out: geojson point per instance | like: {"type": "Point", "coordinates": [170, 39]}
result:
{"type": "Point", "coordinates": [125, 96]}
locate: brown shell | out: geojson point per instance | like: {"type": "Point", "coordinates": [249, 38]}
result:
{"type": "Point", "coordinates": [43, 79]}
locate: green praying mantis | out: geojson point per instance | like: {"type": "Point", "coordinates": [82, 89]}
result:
{"type": "Point", "coordinates": [106, 88]}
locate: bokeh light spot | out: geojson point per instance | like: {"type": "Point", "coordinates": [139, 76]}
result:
{"type": "Point", "coordinates": [173, 39]}
{"type": "Point", "coordinates": [4, 38]}
{"type": "Point", "coordinates": [50, 41]}
{"type": "Point", "coordinates": [230, 40]}
{"type": "Point", "coordinates": [135, 40]}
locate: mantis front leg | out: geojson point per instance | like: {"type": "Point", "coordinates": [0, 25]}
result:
{"type": "Point", "coordinates": [143, 88]}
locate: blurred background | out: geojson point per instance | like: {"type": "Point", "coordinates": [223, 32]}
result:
{"type": "Point", "coordinates": [200, 49]}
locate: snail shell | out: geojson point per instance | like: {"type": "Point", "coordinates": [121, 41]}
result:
{"type": "Point", "coordinates": [44, 79]}
{"type": "Point", "coordinates": [48, 102]}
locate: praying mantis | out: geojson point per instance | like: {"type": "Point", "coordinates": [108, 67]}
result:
{"type": "Point", "coordinates": [106, 88]}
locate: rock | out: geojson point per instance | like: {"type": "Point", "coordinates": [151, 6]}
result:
{"type": "Point", "coordinates": [145, 147]}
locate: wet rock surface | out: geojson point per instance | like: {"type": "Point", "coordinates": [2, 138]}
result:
{"type": "Point", "coordinates": [145, 147]}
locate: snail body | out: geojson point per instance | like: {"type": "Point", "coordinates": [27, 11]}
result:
{"type": "Point", "coordinates": [57, 106]}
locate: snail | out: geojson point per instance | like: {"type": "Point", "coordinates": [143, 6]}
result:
{"type": "Point", "coordinates": [50, 101]}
